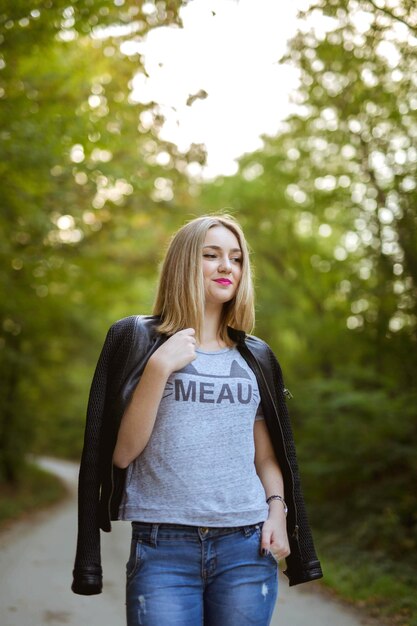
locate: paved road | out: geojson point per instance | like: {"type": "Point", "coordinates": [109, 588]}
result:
{"type": "Point", "coordinates": [35, 571]}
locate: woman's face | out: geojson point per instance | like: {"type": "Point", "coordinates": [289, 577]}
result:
{"type": "Point", "coordinates": [222, 265]}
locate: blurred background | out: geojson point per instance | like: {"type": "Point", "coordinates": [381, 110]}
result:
{"type": "Point", "coordinates": [120, 120]}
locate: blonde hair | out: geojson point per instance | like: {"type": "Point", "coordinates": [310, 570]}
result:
{"type": "Point", "coordinates": [180, 296]}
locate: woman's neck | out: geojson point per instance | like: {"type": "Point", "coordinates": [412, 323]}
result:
{"type": "Point", "coordinates": [210, 339]}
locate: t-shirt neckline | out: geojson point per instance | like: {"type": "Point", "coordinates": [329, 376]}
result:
{"type": "Point", "coordinates": [221, 351]}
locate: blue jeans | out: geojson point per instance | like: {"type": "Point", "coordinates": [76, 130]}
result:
{"type": "Point", "coordinates": [190, 576]}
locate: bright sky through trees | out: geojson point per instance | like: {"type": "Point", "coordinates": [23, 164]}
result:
{"type": "Point", "coordinates": [230, 51]}
{"type": "Point", "coordinates": [218, 81]}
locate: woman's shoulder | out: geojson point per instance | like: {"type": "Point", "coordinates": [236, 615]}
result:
{"type": "Point", "coordinates": [261, 349]}
{"type": "Point", "coordinates": [134, 322]}
{"type": "Point", "coordinates": [252, 341]}
{"type": "Point", "coordinates": [126, 330]}
{"type": "Point", "coordinates": [267, 358]}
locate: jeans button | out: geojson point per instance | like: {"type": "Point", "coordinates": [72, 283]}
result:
{"type": "Point", "coordinates": [203, 530]}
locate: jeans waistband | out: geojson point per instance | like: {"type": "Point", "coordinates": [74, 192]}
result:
{"type": "Point", "coordinates": [150, 532]}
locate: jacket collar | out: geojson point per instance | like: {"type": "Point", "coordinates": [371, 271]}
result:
{"type": "Point", "coordinates": [236, 335]}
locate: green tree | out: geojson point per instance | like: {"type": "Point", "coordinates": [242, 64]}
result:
{"type": "Point", "coordinates": [79, 158]}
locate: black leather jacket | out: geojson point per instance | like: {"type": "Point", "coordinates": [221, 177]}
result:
{"type": "Point", "coordinates": [127, 348]}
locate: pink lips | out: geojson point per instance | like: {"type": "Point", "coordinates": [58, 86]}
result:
{"type": "Point", "coordinates": [223, 281]}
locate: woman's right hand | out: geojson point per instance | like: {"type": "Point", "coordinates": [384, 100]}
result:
{"type": "Point", "coordinates": [176, 352]}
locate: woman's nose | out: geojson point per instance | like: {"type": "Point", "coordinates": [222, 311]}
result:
{"type": "Point", "coordinates": [225, 266]}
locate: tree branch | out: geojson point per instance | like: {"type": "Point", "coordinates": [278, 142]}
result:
{"type": "Point", "coordinates": [392, 15]}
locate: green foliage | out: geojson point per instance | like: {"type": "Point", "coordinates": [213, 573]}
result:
{"type": "Point", "coordinates": [36, 489]}
{"type": "Point", "coordinates": [80, 219]}
{"type": "Point", "coordinates": [379, 586]}
{"type": "Point", "coordinates": [358, 453]}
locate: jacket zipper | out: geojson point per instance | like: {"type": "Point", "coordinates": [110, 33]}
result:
{"type": "Point", "coordinates": [286, 392]}
{"type": "Point", "coordinates": [111, 491]}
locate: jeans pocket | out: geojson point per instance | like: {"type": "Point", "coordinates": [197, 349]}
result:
{"type": "Point", "coordinates": [134, 560]}
{"type": "Point", "coordinates": [251, 531]}
{"type": "Point", "coordinates": [253, 535]}
{"type": "Point", "coordinates": [268, 556]}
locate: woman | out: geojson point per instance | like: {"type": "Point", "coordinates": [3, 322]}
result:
{"type": "Point", "coordinates": [188, 437]}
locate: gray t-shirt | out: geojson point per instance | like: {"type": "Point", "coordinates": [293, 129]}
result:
{"type": "Point", "coordinates": [198, 465]}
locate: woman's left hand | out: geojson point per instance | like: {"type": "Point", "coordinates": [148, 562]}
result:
{"type": "Point", "coordinates": [274, 536]}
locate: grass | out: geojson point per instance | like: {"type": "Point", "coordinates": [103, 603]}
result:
{"type": "Point", "coordinates": [36, 489]}
{"type": "Point", "coordinates": [384, 589]}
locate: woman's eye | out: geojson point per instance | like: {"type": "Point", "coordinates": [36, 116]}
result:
{"type": "Point", "coordinates": [237, 259]}
{"type": "Point", "coordinates": [209, 256]}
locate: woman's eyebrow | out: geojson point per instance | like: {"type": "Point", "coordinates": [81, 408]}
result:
{"type": "Point", "coordinates": [220, 248]}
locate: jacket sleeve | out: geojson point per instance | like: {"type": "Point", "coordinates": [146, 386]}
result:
{"type": "Point", "coordinates": [302, 564]}
{"type": "Point", "coordinates": [87, 572]}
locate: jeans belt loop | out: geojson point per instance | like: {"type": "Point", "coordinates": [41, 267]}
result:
{"type": "Point", "coordinates": [154, 534]}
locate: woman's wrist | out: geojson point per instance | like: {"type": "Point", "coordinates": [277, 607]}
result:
{"type": "Point", "coordinates": [277, 516]}
{"type": "Point", "coordinates": [277, 502]}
